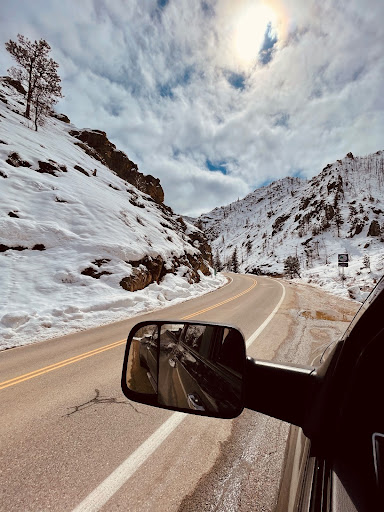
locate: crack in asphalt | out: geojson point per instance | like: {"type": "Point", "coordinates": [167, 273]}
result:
{"type": "Point", "coordinates": [99, 399]}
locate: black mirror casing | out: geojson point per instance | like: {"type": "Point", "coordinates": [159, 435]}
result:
{"type": "Point", "coordinates": [192, 367]}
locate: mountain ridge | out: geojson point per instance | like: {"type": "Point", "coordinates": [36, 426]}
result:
{"type": "Point", "coordinates": [341, 210]}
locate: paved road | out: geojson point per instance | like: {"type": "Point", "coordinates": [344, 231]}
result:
{"type": "Point", "coordinates": [66, 427]}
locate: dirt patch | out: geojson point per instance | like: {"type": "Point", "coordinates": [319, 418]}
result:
{"type": "Point", "coordinates": [324, 315]}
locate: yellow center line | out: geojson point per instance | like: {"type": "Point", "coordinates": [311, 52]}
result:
{"type": "Point", "coordinates": [60, 364]}
{"type": "Point", "coordinates": [223, 302]}
{"type": "Point", "coordinates": [85, 355]}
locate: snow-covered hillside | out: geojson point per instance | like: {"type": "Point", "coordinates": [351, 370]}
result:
{"type": "Point", "coordinates": [341, 210]}
{"type": "Point", "coordinates": [79, 245]}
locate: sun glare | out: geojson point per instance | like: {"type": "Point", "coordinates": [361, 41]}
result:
{"type": "Point", "coordinates": [250, 27]}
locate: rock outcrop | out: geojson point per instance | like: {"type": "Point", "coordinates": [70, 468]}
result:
{"type": "Point", "coordinates": [149, 270]}
{"type": "Point", "coordinates": [96, 144]}
{"type": "Point", "coordinates": [61, 117]}
{"type": "Point", "coordinates": [16, 84]}
{"type": "Point", "coordinates": [374, 229]}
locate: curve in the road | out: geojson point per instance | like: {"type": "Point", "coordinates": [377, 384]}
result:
{"type": "Point", "coordinates": [75, 359]}
{"type": "Point", "coordinates": [104, 492]}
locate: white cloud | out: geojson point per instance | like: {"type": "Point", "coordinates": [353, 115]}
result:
{"type": "Point", "coordinates": [156, 80]}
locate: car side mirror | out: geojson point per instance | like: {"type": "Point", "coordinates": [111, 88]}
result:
{"type": "Point", "coordinates": [190, 367]}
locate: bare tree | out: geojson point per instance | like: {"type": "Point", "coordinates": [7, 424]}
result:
{"type": "Point", "coordinates": [38, 73]}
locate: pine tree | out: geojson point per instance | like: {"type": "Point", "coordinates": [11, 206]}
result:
{"type": "Point", "coordinates": [292, 266]}
{"type": "Point", "coordinates": [38, 73]}
{"type": "Point", "coordinates": [235, 261]}
{"type": "Point", "coordinates": [338, 220]}
{"type": "Point", "coordinates": [217, 262]}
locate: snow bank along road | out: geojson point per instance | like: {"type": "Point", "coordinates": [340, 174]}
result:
{"type": "Point", "coordinates": [71, 441]}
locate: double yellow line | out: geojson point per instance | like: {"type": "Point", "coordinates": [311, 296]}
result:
{"type": "Point", "coordinates": [75, 359]}
{"type": "Point", "coordinates": [223, 302]}
{"type": "Point", "coordinates": [60, 364]}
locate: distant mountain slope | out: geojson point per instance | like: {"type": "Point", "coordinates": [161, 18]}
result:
{"type": "Point", "coordinates": [339, 211]}
{"type": "Point", "coordinates": [77, 237]}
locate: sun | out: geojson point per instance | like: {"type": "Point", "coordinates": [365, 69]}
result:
{"type": "Point", "coordinates": [250, 26]}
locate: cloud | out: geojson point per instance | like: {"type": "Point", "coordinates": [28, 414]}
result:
{"type": "Point", "coordinates": [166, 80]}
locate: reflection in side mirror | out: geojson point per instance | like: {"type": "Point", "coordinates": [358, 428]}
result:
{"type": "Point", "coordinates": [142, 361]}
{"type": "Point", "coordinates": [190, 367]}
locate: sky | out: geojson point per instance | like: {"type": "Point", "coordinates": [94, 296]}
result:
{"type": "Point", "coordinates": [216, 98]}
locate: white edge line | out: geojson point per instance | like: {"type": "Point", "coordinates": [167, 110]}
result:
{"type": "Point", "coordinates": [99, 497]}
{"type": "Point", "coordinates": [260, 329]}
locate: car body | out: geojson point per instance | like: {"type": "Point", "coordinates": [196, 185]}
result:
{"type": "Point", "coordinates": [335, 451]}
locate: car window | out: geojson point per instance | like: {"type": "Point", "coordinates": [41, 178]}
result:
{"type": "Point", "coordinates": [229, 354]}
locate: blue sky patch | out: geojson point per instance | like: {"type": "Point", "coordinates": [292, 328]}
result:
{"type": "Point", "coordinates": [165, 90]}
{"type": "Point", "coordinates": [186, 77]}
{"type": "Point", "coordinates": [237, 80]}
{"type": "Point", "coordinates": [270, 39]}
{"type": "Point", "coordinates": [162, 3]}
{"type": "Point", "coordinates": [219, 166]}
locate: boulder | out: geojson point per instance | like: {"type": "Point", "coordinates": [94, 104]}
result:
{"type": "Point", "coordinates": [144, 272]}
{"type": "Point", "coordinates": [374, 229]}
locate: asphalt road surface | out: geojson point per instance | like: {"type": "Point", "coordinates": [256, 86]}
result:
{"type": "Point", "coordinates": [70, 440]}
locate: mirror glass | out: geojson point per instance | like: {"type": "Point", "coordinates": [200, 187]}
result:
{"type": "Point", "coordinates": [187, 366]}
{"type": "Point", "coordinates": [142, 360]}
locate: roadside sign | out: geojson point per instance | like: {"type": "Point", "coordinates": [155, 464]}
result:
{"type": "Point", "coordinates": [343, 260]}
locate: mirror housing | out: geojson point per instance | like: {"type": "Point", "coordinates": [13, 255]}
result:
{"type": "Point", "coordinates": [191, 367]}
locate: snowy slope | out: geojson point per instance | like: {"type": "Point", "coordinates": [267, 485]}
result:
{"type": "Point", "coordinates": [339, 211]}
{"type": "Point", "coordinates": [70, 236]}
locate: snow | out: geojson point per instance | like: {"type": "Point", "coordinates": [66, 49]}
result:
{"type": "Point", "coordinates": [56, 226]}
{"type": "Point", "coordinates": [289, 218]}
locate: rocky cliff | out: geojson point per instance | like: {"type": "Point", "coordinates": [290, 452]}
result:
{"type": "Point", "coordinates": [96, 144]}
